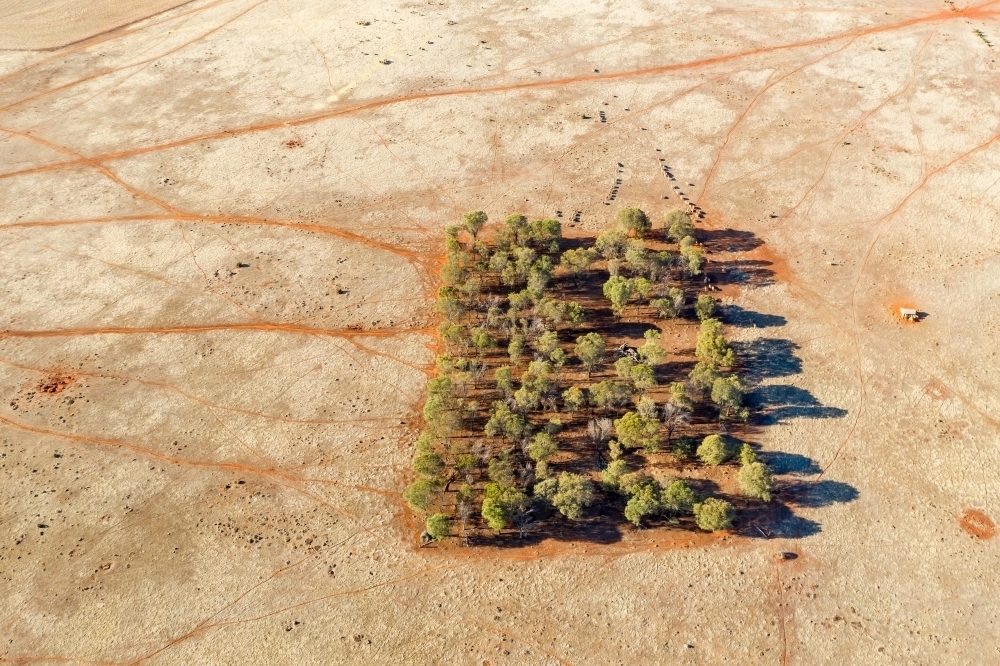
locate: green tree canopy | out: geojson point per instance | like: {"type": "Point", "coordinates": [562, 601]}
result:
{"type": "Point", "coordinates": [421, 493]}
{"type": "Point", "coordinates": [519, 229]}
{"type": "Point", "coordinates": [703, 376]}
{"type": "Point", "coordinates": [527, 399]}
{"type": "Point", "coordinates": [641, 287]}
{"type": "Point", "coordinates": [547, 342]}
{"type": "Point", "coordinates": [516, 348]}
{"type": "Point", "coordinates": [504, 423]}
{"type": "Point", "coordinates": [473, 221]}
{"type": "Point", "coordinates": [538, 377]}
{"type": "Point", "coordinates": [542, 447]}
{"type": "Point", "coordinates": [449, 303]}
{"type": "Point", "coordinates": [713, 450]}
{"type": "Point", "coordinates": [574, 398]}
{"type": "Point", "coordinates": [747, 454]}
{"type": "Point", "coordinates": [712, 344]}
{"type": "Point", "coordinates": [642, 504]}
{"type": "Point", "coordinates": [500, 504]}
{"type": "Point", "coordinates": [642, 376]}
{"type": "Point", "coordinates": [438, 526]}
{"type": "Point", "coordinates": [428, 465]}
{"type": "Point", "coordinates": [551, 310]}
{"type": "Point", "coordinates": [505, 381]}
{"type": "Point", "coordinates": [679, 396]}
{"type": "Point", "coordinates": [684, 447]}
{"type": "Point", "coordinates": [678, 225]}
{"type": "Point", "coordinates": [757, 481]}
{"type": "Point", "coordinates": [501, 470]}
{"type": "Point", "coordinates": [590, 350]}
{"type": "Point", "coordinates": [728, 393]}
{"type": "Point", "coordinates": [646, 407]}
{"type": "Point", "coordinates": [637, 257]}
{"type": "Point", "coordinates": [634, 220]}
{"type": "Point", "coordinates": [704, 307]}
{"type": "Point", "coordinates": [482, 340]}
{"type": "Point", "coordinates": [608, 394]}
{"type": "Point", "coordinates": [618, 290]}
{"type": "Point", "coordinates": [671, 305]}
{"type": "Point", "coordinates": [694, 259]}
{"type": "Point", "coordinates": [611, 244]}
{"type": "Point", "coordinates": [714, 514]}
{"type": "Point", "coordinates": [569, 493]}
{"type": "Point", "coordinates": [634, 431]}
{"type": "Point", "coordinates": [678, 498]}
{"type": "Point", "coordinates": [611, 475]}
{"type": "Point", "coordinates": [577, 261]}
{"type": "Point", "coordinates": [652, 351]}
{"type": "Point", "coordinates": [575, 314]}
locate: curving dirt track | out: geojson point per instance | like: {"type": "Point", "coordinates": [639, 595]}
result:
{"type": "Point", "coordinates": [219, 233]}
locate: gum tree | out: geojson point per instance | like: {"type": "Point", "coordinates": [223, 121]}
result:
{"type": "Point", "coordinates": [590, 350]}
{"type": "Point", "coordinates": [714, 514]}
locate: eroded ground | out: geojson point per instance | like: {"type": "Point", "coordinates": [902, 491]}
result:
{"type": "Point", "coordinates": [219, 240]}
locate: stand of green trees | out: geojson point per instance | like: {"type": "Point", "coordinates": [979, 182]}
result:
{"type": "Point", "coordinates": [515, 397]}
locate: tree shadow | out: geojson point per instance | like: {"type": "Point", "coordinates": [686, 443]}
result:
{"type": "Point", "coordinates": [777, 403]}
{"type": "Point", "coordinates": [765, 358]}
{"type": "Point", "coordinates": [601, 524]}
{"type": "Point", "coordinates": [734, 315]}
{"type": "Point", "coordinates": [790, 463]}
{"type": "Point", "coordinates": [775, 521]}
{"type": "Point", "coordinates": [729, 240]}
{"type": "Point", "coordinates": [819, 494]}
{"type": "Point", "coordinates": [755, 272]}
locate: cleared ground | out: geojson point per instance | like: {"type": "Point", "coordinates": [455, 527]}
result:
{"type": "Point", "coordinates": [219, 235]}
